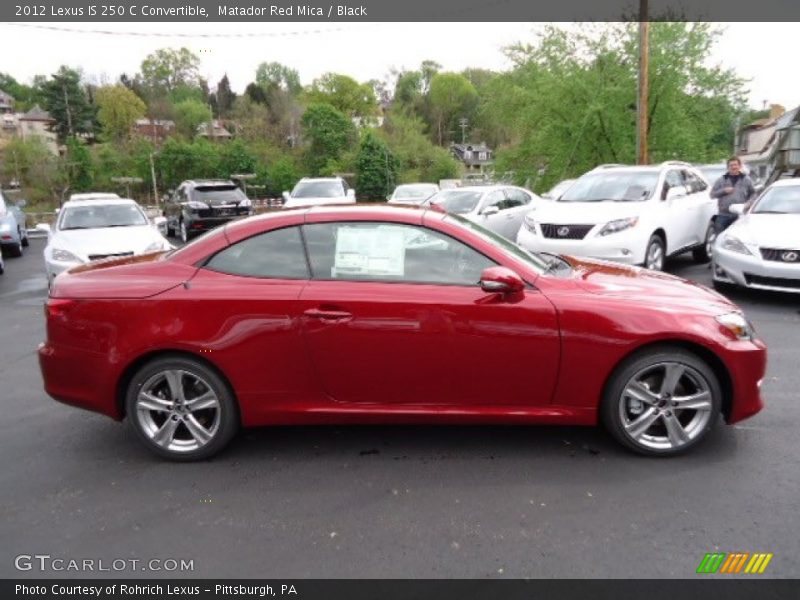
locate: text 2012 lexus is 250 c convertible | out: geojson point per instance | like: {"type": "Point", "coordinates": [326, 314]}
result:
{"type": "Point", "coordinates": [392, 315]}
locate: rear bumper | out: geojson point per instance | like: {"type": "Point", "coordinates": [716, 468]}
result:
{"type": "Point", "coordinates": [79, 377]}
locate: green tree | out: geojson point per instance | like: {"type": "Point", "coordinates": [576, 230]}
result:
{"type": "Point", "coordinates": [179, 160]}
{"type": "Point", "coordinates": [274, 75]}
{"type": "Point", "coordinates": [281, 176]}
{"type": "Point", "coordinates": [117, 110]}
{"type": "Point", "coordinates": [451, 97]}
{"type": "Point", "coordinates": [235, 158]}
{"type": "Point", "coordinates": [78, 166]}
{"type": "Point", "coordinates": [224, 97]}
{"type": "Point", "coordinates": [345, 94]}
{"type": "Point", "coordinates": [329, 134]}
{"type": "Point", "coordinates": [376, 168]}
{"type": "Point", "coordinates": [35, 167]}
{"type": "Point", "coordinates": [23, 94]}
{"type": "Point", "coordinates": [189, 115]}
{"type": "Point", "coordinates": [418, 159]}
{"type": "Point", "coordinates": [66, 100]}
{"type": "Point", "coordinates": [167, 68]}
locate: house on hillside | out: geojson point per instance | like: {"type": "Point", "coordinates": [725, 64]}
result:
{"type": "Point", "coordinates": [218, 131]}
{"type": "Point", "coordinates": [771, 146]}
{"type": "Point", "coordinates": [155, 130]}
{"type": "Point", "coordinates": [37, 123]}
{"type": "Point", "coordinates": [474, 157]}
{"type": "Point", "coordinates": [6, 103]}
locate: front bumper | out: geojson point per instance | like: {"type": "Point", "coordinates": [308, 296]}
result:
{"type": "Point", "coordinates": [623, 247]}
{"type": "Point", "coordinates": [747, 366]}
{"type": "Point", "coordinates": [754, 272]}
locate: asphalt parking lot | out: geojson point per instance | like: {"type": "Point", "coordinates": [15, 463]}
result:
{"type": "Point", "coordinates": [380, 502]}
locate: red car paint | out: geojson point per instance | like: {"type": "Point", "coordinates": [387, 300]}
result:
{"type": "Point", "coordinates": [313, 351]}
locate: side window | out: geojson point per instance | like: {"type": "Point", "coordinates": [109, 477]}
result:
{"type": "Point", "coordinates": [389, 252]}
{"type": "Point", "coordinates": [274, 255]}
{"type": "Point", "coordinates": [672, 179]}
{"type": "Point", "coordinates": [496, 198]}
{"type": "Point", "coordinates": [694, 183]}
{"type": "Point", "coordinates": [517, 197]}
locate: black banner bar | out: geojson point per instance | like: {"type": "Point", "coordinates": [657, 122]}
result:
{"type": "Point", "coordinates": [277, 11]}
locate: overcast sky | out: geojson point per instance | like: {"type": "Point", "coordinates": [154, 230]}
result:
{"type": "Point", "coordinates": [761, 52]}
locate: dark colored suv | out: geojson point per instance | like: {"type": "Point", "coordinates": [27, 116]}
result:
{"type": "Point", "coordinates": [200, 205]}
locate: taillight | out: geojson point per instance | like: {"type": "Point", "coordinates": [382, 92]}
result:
{"type": "Point", "coordinates": [55, 308]}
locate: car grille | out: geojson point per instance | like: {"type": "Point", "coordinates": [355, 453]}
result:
{"type": "Point", "coordinates": [780, 282]}
{"type": "Point", "coordinates": [565, 232]}
{"type": "Point", "coordinates": [781, 255]}
{"type": "Point", "coordinates": [102, 256]}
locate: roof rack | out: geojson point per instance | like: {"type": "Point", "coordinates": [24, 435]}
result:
{"type": "Point", "coordinates": [610, 166]}
{"type": "Point", "coordinates": [675, 163]}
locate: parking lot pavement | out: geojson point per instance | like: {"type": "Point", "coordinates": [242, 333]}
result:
{"type": "Point", "coordinates": [393, 501]}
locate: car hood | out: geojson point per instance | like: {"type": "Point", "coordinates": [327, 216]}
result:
{"type": "Point", "coordinates": [106, 240]}
{"type": "Point", "coordinates": [771, 231]}
{"type": "Point", "coordinates": [636, 283]}
{"type": "Point", "coordinates": [584, 213]}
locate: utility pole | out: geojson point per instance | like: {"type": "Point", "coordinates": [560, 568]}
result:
{"type": "Point", "coordinates": [66, 106]}
{"type": "Point", "coordinates": [153, 177]}
{"type": "Point", "coordinates": [641, 104]}
{"type": "Point", "coordinates": [463, 122]}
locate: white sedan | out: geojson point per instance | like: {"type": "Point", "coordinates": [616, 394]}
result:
{"type": "Point", "coordinates": [762, 248]}
{"type": "Point", "coordinates": [500, 208]}
{"type": "Point", "coordinates": [412, 193]}
{"type": "Point", "coordinates": [88, 230]}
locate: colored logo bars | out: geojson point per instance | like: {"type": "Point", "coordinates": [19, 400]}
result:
{"type": "Point", "coordinates": [734, 563]}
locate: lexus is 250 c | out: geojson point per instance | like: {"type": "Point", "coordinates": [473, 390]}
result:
{"type": "Point", "coordinates": [392, 315]}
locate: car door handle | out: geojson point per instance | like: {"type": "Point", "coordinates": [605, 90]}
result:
{"type": "Point", "coordinates": [509, 217]}
{"type": "Point", "coordinates": [328, 315]}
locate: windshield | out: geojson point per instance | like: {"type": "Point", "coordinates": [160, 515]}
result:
{"type": "Point", "coordinates": [614, 186]}
{"type": "Point", "coordinates": [218, 194]}
{"type": "Point", "coordinates": [558, 189]}
{"type": "Point", "coordinates": [419, 192]}
{"type": "Point", "coordinates": [535, 261]}
{"type": "Point", "coordinates": [318, 189]}
{"type": "Point", "coordinates": [779, 200]}
{"type": "Point", "coordinates": [459, 202]}
{"type": "Point", "coordinates": [102, 215]}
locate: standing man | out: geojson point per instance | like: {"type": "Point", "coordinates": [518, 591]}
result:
{"type": "Point", "coordinates": [734, 187]}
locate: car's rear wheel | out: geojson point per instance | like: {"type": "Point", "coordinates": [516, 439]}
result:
{"type": "Point", "coordinates": [14, 250]}
{"type": "Point", "coordinates": [170, 230]}
{"type": "Point", "coordinates": [654, 256]}
{"type": "Point", "coordinates": [702, 254]}
{"type": "Point", "coordinates": [662, 402]}
{"type": "Point", "coordinates": [24, 237]}
{"type": "Point", "coordinates": [181, 409]}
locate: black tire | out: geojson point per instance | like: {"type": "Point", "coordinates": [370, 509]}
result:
{"type": "Point", "coordinates": [13, 250]}
{"type": "Point", "coordinates": [25, 242]}
{"type": "Point", "coordinates": [702, 254]}
{"type": "Point", "coordinates": [186, 235]}
{"type": "Point", "coordinates": [722, 287]}
{"type": "Point", "coordinates": [170, 231]}
{"type": "Point", "coordinates": [225, 414]}
{"type": "Point", "coordinates": [2, 269]}
{"type": "Point", "coordinates": [611, 407]}
{"type": "Point", "coordinates": [655, 241]}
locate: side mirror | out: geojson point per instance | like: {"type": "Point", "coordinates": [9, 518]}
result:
{"type": "Point", "coordinates": [501, 280]}
{"type": "Point", "coordinates": [160, 223]}
{"type": "Point", "coordinates": [490, 210]}
{"type": "Point", "coordinates": [351, 195]}
{"type": "Point", "coordinates": [737, 209]}
{"type": "Point", "coordinates": [43, 227]}
{"type": "Point", "coordinates": [286, 196]}
{"type": "Point", "coordinates": [678, 191]}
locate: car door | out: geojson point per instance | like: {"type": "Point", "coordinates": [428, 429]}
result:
{"type": "Point", "coordinates": [394, 315]}
{"type": "Point", "coordinates": [678, 215]}
{"type": "Point", "coordinates": [491, 212]}
{"type": "Point", "coordinates": [701, 206]}
{"type": "Point", "coordinates": [517, 206]}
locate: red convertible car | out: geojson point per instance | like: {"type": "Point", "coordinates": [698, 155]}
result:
{"type": "Point", "coordinates": [392, 315]}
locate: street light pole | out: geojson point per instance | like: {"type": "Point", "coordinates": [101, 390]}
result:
{"type": "Point", "coordinates": [643, 91]}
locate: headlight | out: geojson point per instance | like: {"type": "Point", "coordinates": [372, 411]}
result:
{"type": "Point", "coordinates": [618, 225]}
{"type": "Point", "coordinates": [246, 203]}
{"type": "Point", "coordinates": [734, 244]}
{"type": "Point", "coordinates": [157, 247]}
{"type": "Point", "coordinates": [530, 223]}
{"type": "Point", "coordinates": [65, 256]}
{"type": "Point", "coordinates": [735, 324]}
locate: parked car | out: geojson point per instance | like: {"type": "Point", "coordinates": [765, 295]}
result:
{"type": "Point", "coordinates": [93, 196]}
{"type": "Point", "coordinates": [412, 193]}
{"type": "Point", "coordinates": [500, 208]}
{"type": "Point", "coordinates": [340, 315]}
{"type": "Point", "coordinates": [558, 189]}
{"type": "Point", "coordinates": [762, 248]}
{"type": "Point", "coordinates": [203, 204]}
{"type": "Point", "coordinates": [13, 236]}
{"type": "Point", "coordinates": [633, 215]}
{"type": "Point", "coordinates": [90, 230]}
{"type": "Point", "coordinates": [322, 190]}
{"type": "Point", "coordinates": [22, 220]}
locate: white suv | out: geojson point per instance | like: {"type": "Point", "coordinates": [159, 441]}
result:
{"type": "Point", "coordinates": [633, 215]}
{"type": "Point", "coordinates": [322, 190]}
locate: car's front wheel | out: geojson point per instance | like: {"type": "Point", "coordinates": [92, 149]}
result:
{"type": "Point", "coordinates": [662, 402]}
{"type": "Point", "coordinates": [702, 254]}
{"type": "Point", "coordinates": [655, 254]}
{"type": "Point", "coordinates": [181, 409]}
{"type": "Point", "coordinates": [24, 237]}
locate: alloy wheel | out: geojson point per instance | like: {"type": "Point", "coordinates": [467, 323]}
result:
{"type": "Point", "coordinates": [665, 406]}
{"type": "Point", "coordinates": [178, 410]}
{"type": "Point", "coordinates": [184, 233]}
{"type": "Point", "coordinates": [655, 255]}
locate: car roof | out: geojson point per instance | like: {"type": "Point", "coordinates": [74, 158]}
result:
{"type": "Point", "coordinates": [208, 182]}
{"type": "Point", "coordinates": [478, 188]}
{"type": "Point", "coordinates": [416, 184]}
{"type": "Point", "coordinates": [99, 201]}
{"type": "Point", "coordinates": [312, 179]}
{"type": "Point", "coordinates": [93, 196]}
